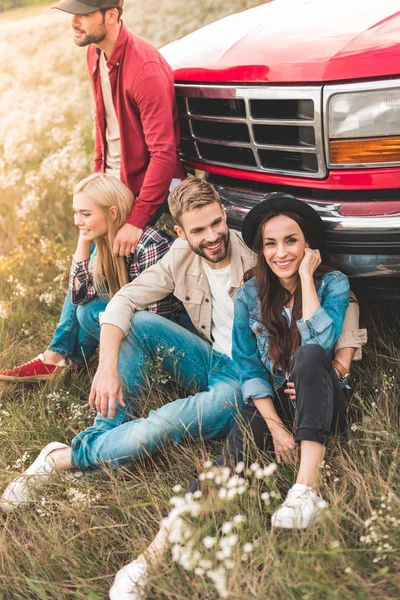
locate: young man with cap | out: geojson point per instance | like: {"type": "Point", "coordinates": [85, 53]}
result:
{"type": "Point", "coordinates": [204, 268]}
{"type": "Point", "coordinates": [137, 131]}
{"type": "Point", "coordinates": [137, 135]}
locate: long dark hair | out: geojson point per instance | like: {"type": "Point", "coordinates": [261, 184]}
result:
{"type": "Point", "coordinates": [273, 296]}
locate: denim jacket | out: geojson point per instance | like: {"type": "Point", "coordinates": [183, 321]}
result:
{"type": "Point", "coordinates": [250, 338]}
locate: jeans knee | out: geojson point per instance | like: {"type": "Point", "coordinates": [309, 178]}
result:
{"type": "Point", "coordinates": [143, 320]}
{"type": "Point", "coordinates": [88, 320]}
{"type": "Point", "coordinates": [146, 324]}
{"type": "Point", "coordinates": [308, 357]}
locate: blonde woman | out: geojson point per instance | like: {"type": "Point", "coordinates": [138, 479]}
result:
{"type": "Point", "coordinates": [101, 205]}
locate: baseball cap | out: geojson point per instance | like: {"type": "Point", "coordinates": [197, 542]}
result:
{"type": "Point", "coordinates": [86, 7]}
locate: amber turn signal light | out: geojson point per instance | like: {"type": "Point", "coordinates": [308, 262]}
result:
{"type": "Point", "coordinates": [367, 150]}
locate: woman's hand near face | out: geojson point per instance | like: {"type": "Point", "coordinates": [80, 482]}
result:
{"type": "Point", "coordinates": [82, 251]}
{"type": "Point", "coordinates": [307, 268]}
{"type": "Point", "coordinates": [310, 263]}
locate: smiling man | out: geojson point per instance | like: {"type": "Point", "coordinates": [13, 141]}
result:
{"type": "Point", "coordinates": [137, 131]}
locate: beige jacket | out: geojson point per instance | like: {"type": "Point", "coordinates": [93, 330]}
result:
{"type": "Point", "coordinates": [180, 271]}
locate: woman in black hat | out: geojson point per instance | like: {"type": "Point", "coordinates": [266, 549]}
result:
{"type": "Point", "coordinates": [288, 317]}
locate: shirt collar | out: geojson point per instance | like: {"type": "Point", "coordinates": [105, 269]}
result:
{"type": "Point", "coordinates": [119, 47]}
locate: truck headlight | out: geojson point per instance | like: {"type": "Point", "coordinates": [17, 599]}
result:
{"type": "Point", "coordinates": [364, 127]}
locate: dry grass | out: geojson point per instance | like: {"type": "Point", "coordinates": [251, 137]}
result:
{"type": "Point", "coordinates": [69, 545]}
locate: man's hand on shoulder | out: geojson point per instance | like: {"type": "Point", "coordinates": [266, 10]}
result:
{"type": "Point", "coordinates": [126, 240]}
{"type": "Point", "coordinates": [105, 391]}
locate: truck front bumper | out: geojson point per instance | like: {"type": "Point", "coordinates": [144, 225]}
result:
{"type": "Point", "coordinates": [362, 238]}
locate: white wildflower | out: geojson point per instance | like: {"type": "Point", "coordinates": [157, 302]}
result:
{"type": "Point", "coordinates": [270, 469]}
{"type": "Point", "coordinates": [238, 519]}
{"type": "Point", "coordinates": [205, 563]}
{"type": "Point", "coordinates": [83, 499]}
{"type": "Point", "coordinates": [218, 576]}
{"type": "Point", "coordinates": [209, 542]}
{"type": "Point", "coordinates": [232, 482]}
{"type": "Point", "coordinates": [3, 311]}
{"type": "Point", "coordinates": [254, 467]}
{"type": "Point", "coordinates": [227, 527]}
{"type": "Point", "coordinates": [229, 541]}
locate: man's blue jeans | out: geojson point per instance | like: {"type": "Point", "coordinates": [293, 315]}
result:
{"type": "Point", "coordinates": [208, 376]}
{"type": "Point", "coordinates": [70, 338]}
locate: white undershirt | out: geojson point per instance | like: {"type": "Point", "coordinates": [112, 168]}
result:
{"type": "Point", "coordinates": [113, 138]}
{"type": "Point", "coordinates": [222, 308]}
{"type": "Point", "coordinates": [288, 312]}
{"type": "Point", "coordinates": [113, 153]}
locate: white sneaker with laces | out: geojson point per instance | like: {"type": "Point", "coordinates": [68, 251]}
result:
{"type": "Point", "coordinates": [21, 490]}
{"type": "Point", "coordinates": [130, 582]}
{"type": "Point", "coordinates": [301, 507]}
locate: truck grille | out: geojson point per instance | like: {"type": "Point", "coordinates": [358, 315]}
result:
{"type": "Point", "coordinates": [265, 129]}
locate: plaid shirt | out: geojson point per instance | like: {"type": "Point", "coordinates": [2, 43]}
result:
{"type": "Point", "coordinates": [152, 246]}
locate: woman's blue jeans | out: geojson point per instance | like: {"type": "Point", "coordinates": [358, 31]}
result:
{"type": "Point", "coordinates": [209, 377]}
{"type": "Point", "coordinates": [70, 338]}
{"type": "Point", "coordinates": [78, 331]}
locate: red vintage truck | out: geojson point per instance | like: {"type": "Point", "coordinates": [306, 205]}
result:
{"type": "Point", "coordinates": [302, 96]}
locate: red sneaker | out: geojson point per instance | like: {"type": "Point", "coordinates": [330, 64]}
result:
{"type": "Point", "coordinates": [34, 370]}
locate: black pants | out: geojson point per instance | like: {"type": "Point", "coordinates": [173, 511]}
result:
{"type": "Point", "coordinates": [321, 409]}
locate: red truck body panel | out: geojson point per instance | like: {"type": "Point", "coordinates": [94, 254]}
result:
{"type": "Point", "coordinates": [336, 180]}
{"type": "Point", "coordinates": [293, 42]}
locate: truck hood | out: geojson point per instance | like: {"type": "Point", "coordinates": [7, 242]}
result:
{"type": "Point", "coordinates": [293, 41]}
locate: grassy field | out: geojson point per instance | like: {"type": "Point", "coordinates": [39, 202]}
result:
{"type": "Point", "coordinates": [7, 5]}
{"type": "Point", "coordinates": [69, 545]}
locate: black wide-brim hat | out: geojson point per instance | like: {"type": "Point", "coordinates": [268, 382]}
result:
{"type": "Point", "coordinates": [281, 203]}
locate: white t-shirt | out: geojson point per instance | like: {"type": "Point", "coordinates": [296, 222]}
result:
{"type": "Point", "coordinates": [288, 312]}
{"type": "Point", "coordinates": [113, 153]}
{"type": "Point", "coordinates": [222, 308]}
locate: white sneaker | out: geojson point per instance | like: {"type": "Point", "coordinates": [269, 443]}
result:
{"type": "Point", "coordinates": [20, 490]}
{"type": "Point", "coordinates": [130, 582]}
{"type": "Point", "coordinates": [301, 507]}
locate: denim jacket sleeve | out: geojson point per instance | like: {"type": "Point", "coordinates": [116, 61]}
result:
{"type": "Point", "coordinates": [254, 377]}
{"type": "Point", "coordinates": [325, 324]}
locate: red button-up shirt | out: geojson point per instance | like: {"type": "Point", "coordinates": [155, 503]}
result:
{"type": "Point", "coordinates": [142, 85]}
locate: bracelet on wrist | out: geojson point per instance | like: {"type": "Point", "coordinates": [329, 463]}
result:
{"type": "Point", "coordinates": [341, 369]}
